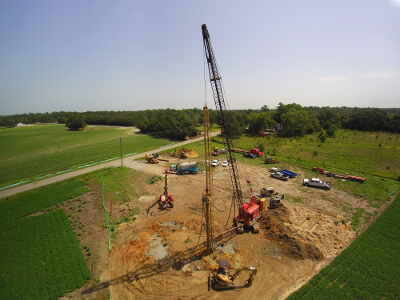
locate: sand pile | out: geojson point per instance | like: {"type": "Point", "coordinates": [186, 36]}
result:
{"type": "Point", "coordinates": [276, 225]}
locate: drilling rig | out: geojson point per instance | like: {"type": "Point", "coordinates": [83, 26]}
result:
{"type": "Point", "coordinates": [249, 212]}
{"type": "Point", "coordinates": [209, 191]}
{"type": "Point", "coordinates": [166, 200]}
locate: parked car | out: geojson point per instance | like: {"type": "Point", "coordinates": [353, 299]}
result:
{"type": "Point", "coordinates": [215, 162]}
{"type": "Point", "coordinates": [316, 182]}
{"type": "Point", "coordinates": [279, 175]}
{"type": "Point", "coordinates": [225, 163]}
{"type": "Point", "coordinates": [249, 155]}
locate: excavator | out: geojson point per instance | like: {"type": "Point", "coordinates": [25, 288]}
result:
{"type": "Point", "coordinates": [166, 200]}
{"type": "Point", "coordinates": [224, 281]}
{"type": "Point", "coordinates": [249, 212]}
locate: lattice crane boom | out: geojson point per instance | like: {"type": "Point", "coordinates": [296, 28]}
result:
{"type": "Point", "coordinates": [218, 95]}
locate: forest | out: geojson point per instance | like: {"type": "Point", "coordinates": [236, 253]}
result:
{"type": "Point", "coordinates": [290, 120]}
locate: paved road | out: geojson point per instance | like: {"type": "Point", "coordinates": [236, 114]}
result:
{"type": "Point", "coordinates": [127, 161]}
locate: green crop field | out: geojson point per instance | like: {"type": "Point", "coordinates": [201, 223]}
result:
{"type": "Point", "coordinates": [367, 269]}
{"type": "Point", "coordinates": [41, 258]}
{"type": "Point", "coordinates": [31, 152]}
{"type": "Point", "coordinates": [19, 206]}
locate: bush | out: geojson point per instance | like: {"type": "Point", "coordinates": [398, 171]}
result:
{"type": "Point", "coordinates": [322, 137]}
{"type": "Point", "coordinates": [75, 122]}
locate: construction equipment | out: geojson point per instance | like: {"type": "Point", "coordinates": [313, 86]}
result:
{"type": "Point", "coordinates": [215, 151]}
{"type": "Point", "coordinates": [209, 191]}
{"type": "Point", "coordinates": [257, 152]}
{"type": "Point", "coordinates": [181, 169]}
{"type": "Point", "coordinates": [267, 192]}
{"type": "Point", "coordinates": [275, 201]}
{"type": "Point", "coordinates": [181, 153]}
{"type": "Point", "coordinates": [152, 158]}
{"type": "Point", "coordinates": [270, 160]}
{"type": "Point", "coordinates": [224, 281]}
{"type": "Point", "coordinates": [166, 200]}
{"type": "Point", "coordinates": [249, 212]}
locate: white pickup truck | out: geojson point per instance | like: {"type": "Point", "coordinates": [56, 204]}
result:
{"type": "Point", "coordinates": [316, 182]}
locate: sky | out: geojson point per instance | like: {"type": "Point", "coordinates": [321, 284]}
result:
{"type": "Point", "coordinates": [93, 55]}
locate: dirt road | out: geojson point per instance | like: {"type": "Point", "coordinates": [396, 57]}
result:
{"type": "Point", "coordinates": [127, 162]}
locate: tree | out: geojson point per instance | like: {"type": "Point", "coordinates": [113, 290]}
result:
{"type": "Point", "coordinates": [75, 122]}
{"type": "Point", "coordinates": [297, 121]}
{"type": "Point", "coordinates": [265, 108]}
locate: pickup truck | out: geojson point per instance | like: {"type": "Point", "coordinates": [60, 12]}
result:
{"type": "Point", "coordinates": [215, 162]}
{"type": "Point", "coordinates": [316, 182]}
{"type": "Point", "coordinates": [279, 175]}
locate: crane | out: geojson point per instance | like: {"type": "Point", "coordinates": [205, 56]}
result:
{"type": "Point", "coordinates": [249, 212]}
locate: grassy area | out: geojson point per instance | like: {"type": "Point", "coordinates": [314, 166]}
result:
{"type": "Point", "coordinates": [367, 269]}
{"type": "Point", "coordinates": [118, 184]}
{"type": "Point", "coordinates": [31, 152]}
{"type": "Point", "coordinates": [362, 153]}
{"type": "Point", "coordinates": [19, 206]}
{"type": "Point", "coordinates": [353, 152]}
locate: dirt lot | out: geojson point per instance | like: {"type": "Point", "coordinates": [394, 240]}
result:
{"type": "Point", "coordinates": [151, 256]}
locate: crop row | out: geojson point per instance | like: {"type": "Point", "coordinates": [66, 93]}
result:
{"type": "Point", "coordinates": [38, 150]}
{"type": "Point", "coordinates": [41, 258]}
{"type": "Point", "coordinates": [19, 207]}
{"type": "Point", "coordinates": [368, 268]}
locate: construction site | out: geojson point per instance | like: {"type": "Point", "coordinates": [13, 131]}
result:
{"type": "Point", "coordinates": [164, 254]}
{"type": "Point", "coordinates": [221, 232]}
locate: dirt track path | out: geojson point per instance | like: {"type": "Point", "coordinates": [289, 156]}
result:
{"type": "Point", "coordinates": [127, 162]}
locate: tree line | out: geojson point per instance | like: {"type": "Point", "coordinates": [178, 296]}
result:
{"type": "Point", "coordinates": [290, 120]}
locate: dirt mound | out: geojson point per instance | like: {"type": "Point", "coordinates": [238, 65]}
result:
{"type": "Point", "coordinates": [276, 227]}
{"type": "Point", "coordinates": [184, 152]}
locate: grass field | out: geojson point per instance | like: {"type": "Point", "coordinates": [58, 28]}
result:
{"type": "Point", "coordinates": [362, 153]}
{"type": "Point", "coordinates": [367, 269]}
{"type": "Point", "coordinates": [356, 153]}
{"type": "Point", "coordinates": [34, 151]}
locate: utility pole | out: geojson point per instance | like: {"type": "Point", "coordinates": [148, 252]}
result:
{"type": "Point", "coordinates": [120, 144]}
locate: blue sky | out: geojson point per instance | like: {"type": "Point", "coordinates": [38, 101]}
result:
{"type": "Point", "coordinates": [135, 55]}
